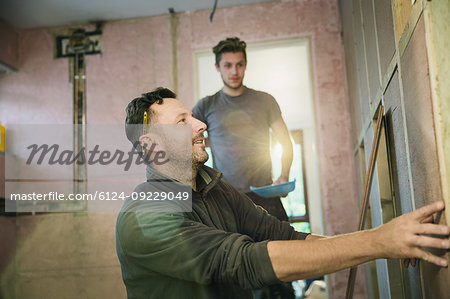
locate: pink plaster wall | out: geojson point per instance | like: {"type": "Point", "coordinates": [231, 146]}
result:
{"type": "Point", "coordinates": [137, 56]}
{"type": "Point", "coordinates": [40, 93]}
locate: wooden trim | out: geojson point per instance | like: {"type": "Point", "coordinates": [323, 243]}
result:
{"type": "Point", "coordinates": [299, 218]}
{"type": "Point", "coordinates": [368, 185]}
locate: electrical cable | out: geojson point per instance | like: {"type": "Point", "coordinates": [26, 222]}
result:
{"type": "Point", "coordinates": [213, 11]}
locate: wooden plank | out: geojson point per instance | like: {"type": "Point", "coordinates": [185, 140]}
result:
{"type": "Point", "coordinates": [368, 185]}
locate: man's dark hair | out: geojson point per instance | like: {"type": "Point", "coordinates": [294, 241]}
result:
{"type": "Point", "coordinates": [136, 109]}
{"type": "Point", "coordinates": [231, 44]}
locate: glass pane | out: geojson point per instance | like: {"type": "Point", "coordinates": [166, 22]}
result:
{"type": "Point", "coordinates": [294, 203]}
{"type": "Point", "coordinates": [301, 227]}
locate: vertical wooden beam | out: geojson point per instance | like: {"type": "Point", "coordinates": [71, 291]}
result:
{"type": "Point", "coordinates": [368, 185]}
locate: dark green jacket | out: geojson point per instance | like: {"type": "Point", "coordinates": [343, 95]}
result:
{"type": "Point", "coordinates": [219, 250]}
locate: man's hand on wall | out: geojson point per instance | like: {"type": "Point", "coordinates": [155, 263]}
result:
{"type": "Point", "coordinates": [406, 236]}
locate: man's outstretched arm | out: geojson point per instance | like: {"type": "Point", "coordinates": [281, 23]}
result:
{"type": "Point", "coordinates": [281, 132]}
{"type": "Point", "coordinates": [403, 237]}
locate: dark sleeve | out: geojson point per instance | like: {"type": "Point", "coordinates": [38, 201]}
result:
{"type": "Point", "coordinates": [172, 245]}
{"type": "Point", "coordinates": [199, 110]}
{"type": "Point", "coordinates": [256, 222]}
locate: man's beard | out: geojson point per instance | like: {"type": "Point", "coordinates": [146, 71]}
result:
{"type": "Point", "coordinates": [198, 158]}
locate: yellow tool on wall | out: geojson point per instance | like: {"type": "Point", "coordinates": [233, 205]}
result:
{"type": "Point", "coordinates": [2, 138]}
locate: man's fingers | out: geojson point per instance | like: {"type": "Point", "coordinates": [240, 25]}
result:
{"type": "Point", "coordinates": [409, 261]}
{"type": "Point", "coordinates": [406, 263]}
{"type": "Point", "coordinates": [425, 241]}
{"type": "Point", "coordinates": [427, 256]}
{"type": "Point", "coordinates": [433, 229]}
{"type": "Point", "coordinates": [426, 211]}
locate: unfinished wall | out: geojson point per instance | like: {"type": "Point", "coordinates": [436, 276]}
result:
{"type": "Point", "coordinates": [436, 16]}
{"type": "Point", "coordinates": [437, 26]}
{"type": "Point", "coordinates": [404, 56]}
{"type": "Point", "coordinates": [137, 56]}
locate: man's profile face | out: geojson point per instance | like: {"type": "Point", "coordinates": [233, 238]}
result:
{"type": "Point", "coordinates": [174, 112]}
{"type": "Point", "coordinates": [232, 69]}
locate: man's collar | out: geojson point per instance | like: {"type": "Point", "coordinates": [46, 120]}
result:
{"type": "Point", "coordinates": [234, 96]}
{"type": "Point", "coordinates": [207, 178]}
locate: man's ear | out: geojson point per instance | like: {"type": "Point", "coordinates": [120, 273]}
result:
{"type": "Point", "coordinates": [145, 141]}
{"type": "Point", "coordinates": [217, 67]}
{"type": "Point", "coordinates": [149, 142]}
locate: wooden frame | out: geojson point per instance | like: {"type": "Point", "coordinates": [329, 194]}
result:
{"type": "Point", "coordinates": [367, 187]}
